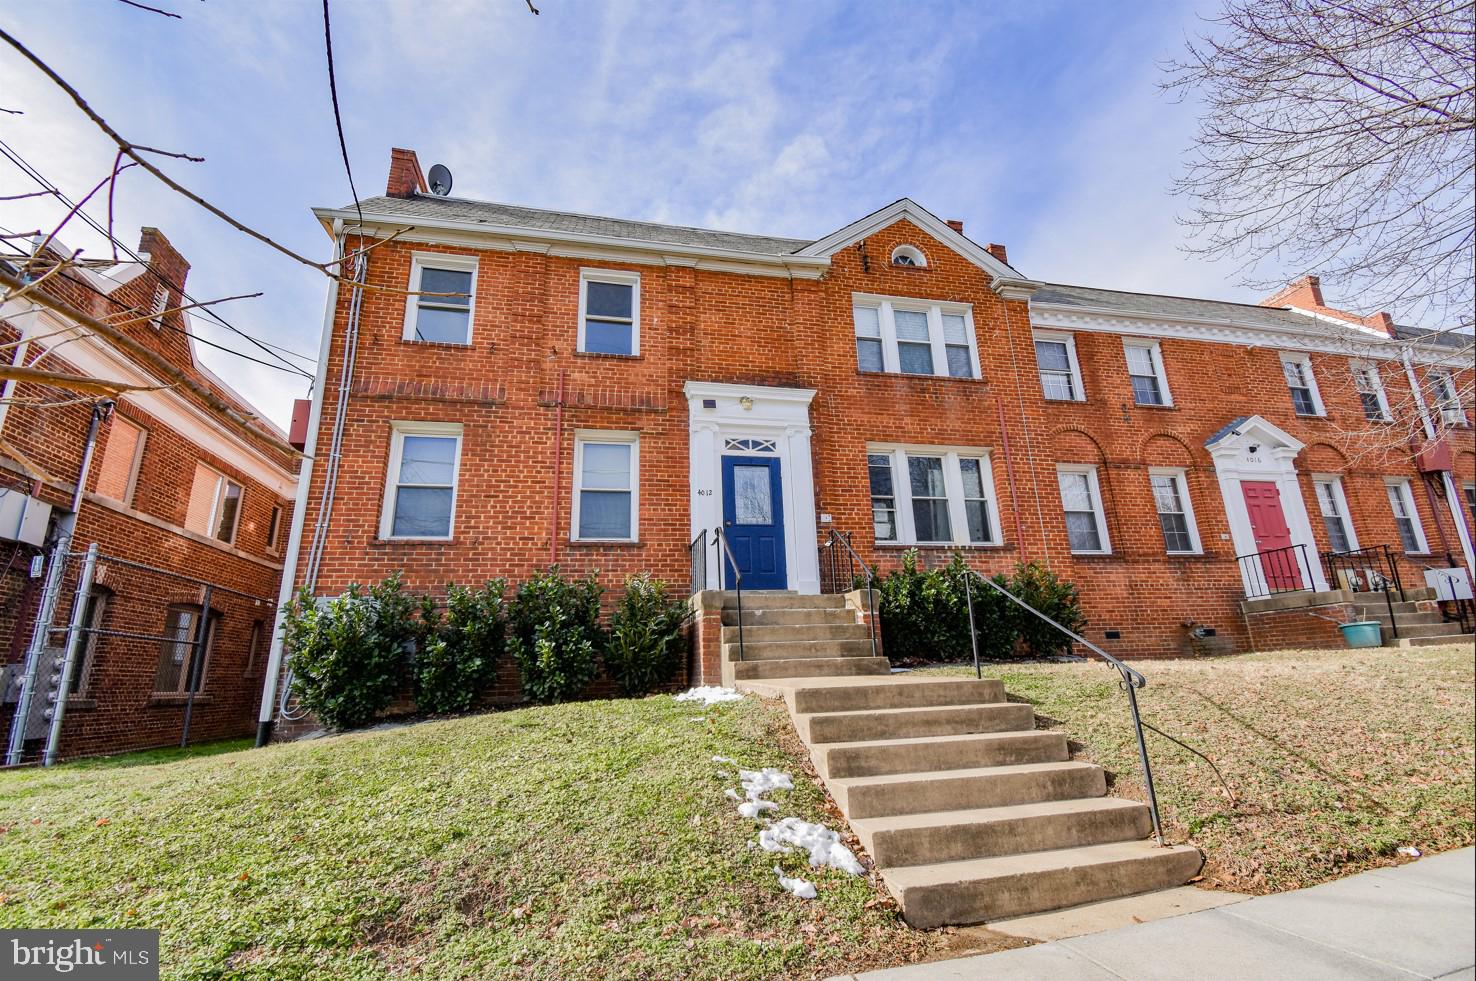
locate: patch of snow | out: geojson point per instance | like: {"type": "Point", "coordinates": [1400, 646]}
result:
{"type": "Point", "coordinates": [757, 783]}
{"type": "Point", "coordinates": [732, 794]}
{"type": "Point", "coordinates": [724, 759]}
{"type": "Point", "coordinates": [900, 670]}
{"type": "Point", "coordinates": [801, 888]}
{"type": "Point", "coordinates": [1410, 851]}
{"type": "Point", "coordinates": [709, 695]}
{"type": "Point", "coordinates": [824, 845]}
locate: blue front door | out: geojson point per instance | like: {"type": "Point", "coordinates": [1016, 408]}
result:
{"type": "Point", "coordinates": [753, 521]}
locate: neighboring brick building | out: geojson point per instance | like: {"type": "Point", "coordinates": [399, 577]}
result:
{"type": "Point", "coordinates": [176, 498]}
{"type": "Point", "coordinates": [612, 388]}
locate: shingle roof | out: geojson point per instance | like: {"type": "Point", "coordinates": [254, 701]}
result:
{"type": "Point", "coordinates": [1440, 338]}
{"type": "Point", "coordinates": [490, 213]}
{"type": "Point", "coordinates": [1169, 306]}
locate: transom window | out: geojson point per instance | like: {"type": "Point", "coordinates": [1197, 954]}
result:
{"type": "Point", "coordinates": [605, 485]}
{"type": "Point", "coordinates": [1447, 399]}
{"type": "Point", "coordinates": [214, 506]}
{"type": "Point", "coordinates": [1297, 368]}
{"type": "Point", "coordinates": [908, 255]}
{"type": "Point", "coordinates": [1145, 371]}
{"type": "Point", "coordinates": [609, 312]}
{"type": "Point", "coordinates": [1175, 514]}
{"type": "Point", "coordinates": [1060, 374]}
{"type": "Point", "coordinates": [1333, 506]}
{"type": "Point", "coordinates": [1406, 517]}
{"type": "Point", "coordinates": [914, 337]}
{"type": "Point", "coordinates": [750, 445]}
{"type": "Point", "coordinates": [1081, 500]}
{"type": "Point", "coordinates": [420, 492]}
{"type": "Point", "coordinates": [1371, 393]}
{"type": "Point", "coordinates": [932, 496]}
{"type": "Point", "coordinates": [442, 294]}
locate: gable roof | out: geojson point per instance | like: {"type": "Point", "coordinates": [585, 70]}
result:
{"type": "Point", "coordinates": [924, 219]}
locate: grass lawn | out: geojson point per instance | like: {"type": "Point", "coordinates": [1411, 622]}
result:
{"type": "Point", "coordinates": [584, 840]}
{"type": "Point", "coordinates": [1336, 759]}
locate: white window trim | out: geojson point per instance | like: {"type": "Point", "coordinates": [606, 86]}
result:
{"type": "Point", "coordinates": [1358, 368]}
{"type": "Point", "coordinates": [1452, 412]}
{"type": "Point", "coordinates": [398, 432]}
{"type": "Point", "coordinates": [1155, 358]}
{"type": "Point", "coordinates": [1292, 357]}
{"type": "Point", "coordinates": [614, 277]}
{"type": "Point", "coordinates": [1070, 341]}
{"type": "Point", "coordinates": [952, 486]}
{"type": "Point", "coordinates": [439, 260]}
{"type": "Point", "coordinates": [614, 436]}
{"type": "Point", "coordinates": [216, 500]}
{"type": "Point", "coordinates": [1099, 510]}
{"type": "Point", "coordinates": [1181, 479]}
{"type": "Point", "coordinates": [1406, 494]}
{"type": "Point", "coordinates": [935, 309]}
{"type": "Point", "coordinates": [1336, 483]}
{"type": "Point", "coordinates": [134, 465]}
{"type": "Point", "coordinates": [919, 260]}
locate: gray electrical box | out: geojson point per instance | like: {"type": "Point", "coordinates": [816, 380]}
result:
{"type": "Point", "coordinates": [23, 518]}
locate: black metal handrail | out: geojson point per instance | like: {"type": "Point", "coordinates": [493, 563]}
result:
{"type": "Point", "coordinates": [853, 560]}
{"type": "Point", "coordinates": [1130, 680]}
{"type": "Point", "coordinates": [1266, 572]}
{"type": "Point", "coordinates": [720, 542]}
{"type": "Point", "coordinates": [697, 552]}
{"type": "Point", "coordinates": [1373, 569]}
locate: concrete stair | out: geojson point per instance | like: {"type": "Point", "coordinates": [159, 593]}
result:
{"type": "Point", "coordinates": [1417, 628]}
{"type": "Point", "coordinates": [969, 812]}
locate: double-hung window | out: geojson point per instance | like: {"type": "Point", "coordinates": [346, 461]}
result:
{"type": "Point", "coordinates": [1145, 371]}
{"type": "Point", "coordinates": [924, 495]}
{"type": "Point", "coordinates": [420, 489]}
{"type": "Point", "coordinates": [606, 494]}
{"type": "Point", "coordinates": [609, 312]}
{"type": "Point", "coordinates": [1297, 368]}
{"type": "Point", "coordinates": [1406, 517]}
{"type": "Point", "coordinates": [1370, 387]}
{"type": "Point", "coordinates": [214, 507]}
{"type": "Point", "coordinates": [1081, 500]}
{"type": "Point", "coordinates": [1060, 374]}
{"type": "Point", "coordinates": [442, 294]}
{"type": "Point", "coordinates": [118, 472]}
{"type": "Point", "coordinates": [1447, 399]}
{"type": "Point", "coordinates": [1333, 504]}
{"type": "Point", "coordinates": [183, 658]}
{"type": "Point", "coordinates": [1175, 513]}
{"type": "Point", "coordinates": [914, 337]}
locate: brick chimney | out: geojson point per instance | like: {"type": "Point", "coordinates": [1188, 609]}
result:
{"type": "Point", "coordinates": [956, 224]}
{"type": "Point", "coordinates": [1305, 292]}
{"type": "Point", "coordinates": [405, 176]}
{"type": "Point", "coordinates": [1380, 321]}
{"type": "Point", "coordinates": [998, 251]}
{"type": "Point", "coordinates": [164, 258]}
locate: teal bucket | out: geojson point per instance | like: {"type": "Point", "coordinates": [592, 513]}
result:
{"type": "Point", "coordinates": [1366, 633]}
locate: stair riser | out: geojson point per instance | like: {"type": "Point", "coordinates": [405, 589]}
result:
{"type": "Point", "coordinates": [947, 721]}
{"type": "Point", "coordinates": [797, 649]}
{"type": "Point", "coordinates": [1436, 629]}
{"type": "Point", "coordinates": [960, 842]}
{"type": "Point", "coordinates": [1432, 641]}
{"type": "Point", "coordinates": [965, 691]}
{"type": "Point", "coordinates": [980, 901]}
{"type": "Point", "coordinates": [782, 601]}
{"type": "Point", "coordinates": [953, 794]}
{"type": "Point", "coordinates": [812, 668]}
{"type": "Point", "coordinates": [881, 758]}
{"type": "Point", "coordinates": [804, 631]}
{"type": "Point", "coordinates": [786, 618]}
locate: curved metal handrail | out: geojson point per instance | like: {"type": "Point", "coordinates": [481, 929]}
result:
{"type": "Point", "coordinates": [720, 541]}
{"type": "Point", "coordinates": [836, 536]}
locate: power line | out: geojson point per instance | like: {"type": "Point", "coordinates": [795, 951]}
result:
{"type": "Point", "coordinates": [34, 174]}
{"type": "Point", "coordinates": [337, 117]}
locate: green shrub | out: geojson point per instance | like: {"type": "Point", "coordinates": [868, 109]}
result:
{"type": "Point", "coordinates": [925, 614]}
{"type": "Point", "coordinates": [348, 655]}
{"type": "Point", "coordinates": [555, 635]}
{"type": "Point", "coordinates": [647, 637]}
{"type": "Point", "coordinates": [1056, 598]}
{"type": "Point", "coordinates": [457, 659]}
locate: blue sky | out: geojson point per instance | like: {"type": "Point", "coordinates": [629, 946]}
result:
{"type": "Point", "coordinates": [1038, 124]}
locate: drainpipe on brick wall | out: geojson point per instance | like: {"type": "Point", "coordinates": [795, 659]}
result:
{"type": "Point", "coordinates": [1452, 498]}
{"type": "Point", "coordinates": [299, 510]}
{"type": "Point", "coordinates": [558, 472]}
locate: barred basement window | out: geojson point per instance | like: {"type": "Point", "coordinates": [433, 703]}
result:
{"type": "Point", "coordinates": [181, 668]}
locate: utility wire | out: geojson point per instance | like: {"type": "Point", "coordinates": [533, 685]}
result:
{"type": "Point", "coordinates": [337, 116]}
{"type": "Point", "coordinates": [7, 151]}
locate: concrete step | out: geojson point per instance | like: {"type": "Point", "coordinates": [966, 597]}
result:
{"type": "Point", "coordinates": [950, 790]}
{"type": "Point", "coordinates": [984, 889]}
{"type": "Point", "coordinates": [1419, 630]}
{"type": "Point", "coordinates": [895, 692]}
{"type": "Point", "coordinates": [1412, 619]}
{"type": "Point", "coordinates": [902, 723]}
{"type": "Point", "coordinates": [1374, 603]}
{"type": "Point", "coordinates": [956, 836]}
{"type": "Point", "coordinates": [787, 618]}
{"type": "Point", "coordinates": [1467, 639]}
{"type": "Point", "coordinates": [816, 667]}
{"type": "Point", "coordinates": [782, 601]}
{"type": "Point", "coordinates": [754, 633]}
{"type": "Point", "coordinates": [933, 753]}
{"type": "Point", "coordinates": [787, 649]}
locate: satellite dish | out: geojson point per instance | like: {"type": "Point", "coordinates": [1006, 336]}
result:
{"type": "Point", "coordinates": [440, 180]}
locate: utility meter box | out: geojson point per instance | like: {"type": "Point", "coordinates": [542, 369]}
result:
{"type": "Point", "coordinates": [23, 518]}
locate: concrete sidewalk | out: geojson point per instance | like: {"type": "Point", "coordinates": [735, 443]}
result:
{"type": "Point", "coordinates": [1412, 921]}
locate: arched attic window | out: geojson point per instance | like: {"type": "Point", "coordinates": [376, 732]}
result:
{"type": "Point", "coordinates": [908, 255]}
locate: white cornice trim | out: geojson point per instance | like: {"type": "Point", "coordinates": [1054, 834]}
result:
{"type": "Point", "coordinates": [697, 390]}
{"type": "Point", "coordinates": [505, 238]}
{"type": "Point", "coordinates": [924, 219]}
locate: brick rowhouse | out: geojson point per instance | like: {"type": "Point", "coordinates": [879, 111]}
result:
{"type": "Point", "coordinates": [747, 347]}
{"type": "Point", "coordinates": [146, 502]}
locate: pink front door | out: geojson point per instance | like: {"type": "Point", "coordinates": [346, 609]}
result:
{"type": "Point", "coordinates": [1268, 524]}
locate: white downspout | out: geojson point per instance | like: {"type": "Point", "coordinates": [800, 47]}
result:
{"type": "Point", "coordinates": [299, 511]}
{"type": "Point", "coordinates": [1452, 496]}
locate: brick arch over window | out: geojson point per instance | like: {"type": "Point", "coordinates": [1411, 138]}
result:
{"type": "Point", "coordinates": [1323, 458]}
{"type": "Point", "coordinates": [1072, 445]}
{"type": "Point", "coordinates": [1465, 465]}
{"type": "Point", "coordinates": [1166, 449]}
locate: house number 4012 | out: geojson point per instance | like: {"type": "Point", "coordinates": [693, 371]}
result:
{"type": "Point", "coordinates": [705, 493]}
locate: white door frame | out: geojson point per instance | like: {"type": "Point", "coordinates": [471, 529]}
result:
{"type": "Point", "coordinates": [1254, 449]}
{"type": "Point", "coordinates": [717, 413]}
